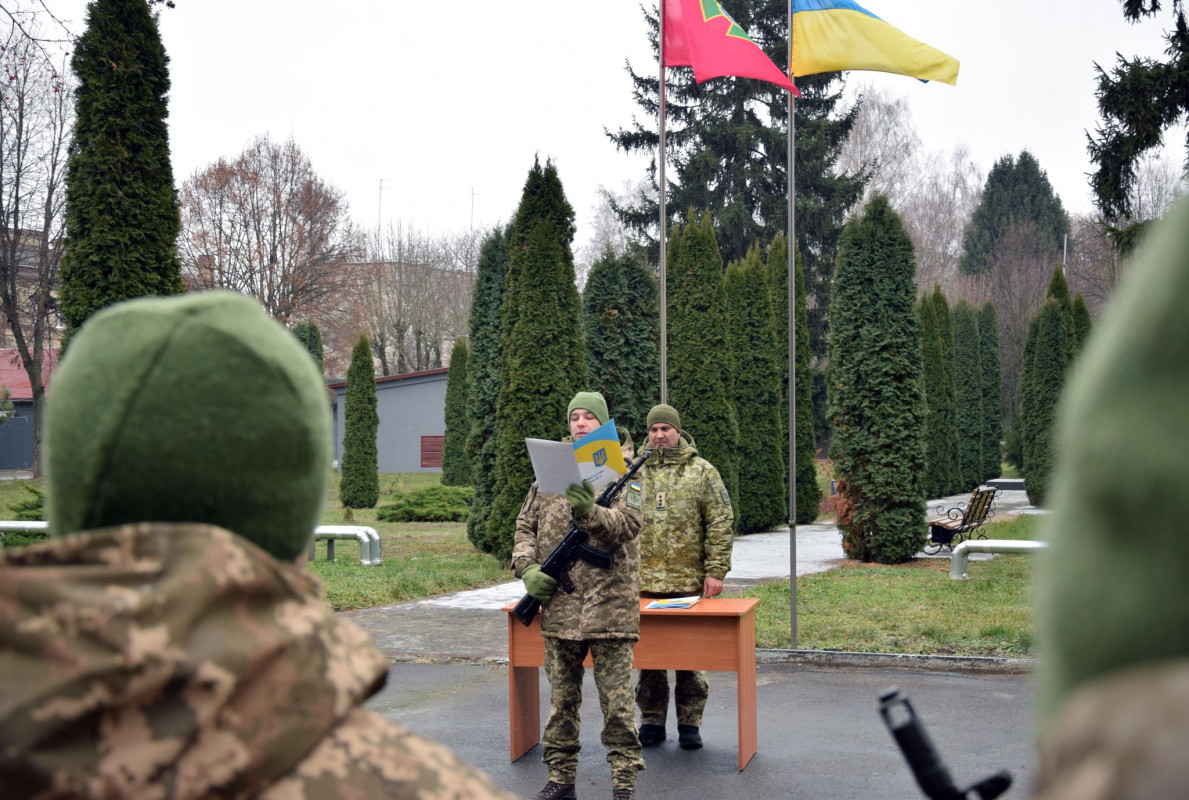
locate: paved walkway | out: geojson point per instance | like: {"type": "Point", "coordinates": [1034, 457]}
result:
{"type": "Point", "coordinates": [462, 627]}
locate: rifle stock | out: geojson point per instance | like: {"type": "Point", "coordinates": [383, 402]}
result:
{"type": "Point", "coordinates": [574, 546]}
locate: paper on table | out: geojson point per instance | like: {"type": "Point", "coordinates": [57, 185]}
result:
{"type": "Point", "coordinates": [553, 464]}
{"type": "Point", "coordinates": [674, 602]}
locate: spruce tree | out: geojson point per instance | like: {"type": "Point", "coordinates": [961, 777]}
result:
{"type": "Point", "coordinates": [619, 321]}
{"type": "Point", "coordinates": [701, 381]}
{"type": "Point", "coordinates": [542, 358]}
{"type": "Point", "coordinates": [992, 392]}
{"type": "Point", "coordinates": [762, 502]}
{"type": "Point", "coordinates": [456, 463]}
{"type": "Point", "coordinates": [809, 495]}
{"type": "Point", "coordinates": [360, 485]}
{"type": "Point", "coordinates": [941, 476]}
{"type": "Point", "coordinates": [1045, 377]}
{"type": "Point", "coordinates": [968, 380]}
{"type": "Point", "coordinates": [483, 367]}
{"type": "Point", "coordinates": [122, 218]}
{"type": "Point", "coordinates": [310, 336]}
{"type": "Point", "coordinates": [876, 402]}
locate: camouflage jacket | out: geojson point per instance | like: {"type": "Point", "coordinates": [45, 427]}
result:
{"type": "Point", "coordinates": [688, 521]}
{"type": "Point", "coordinates": [180, 661]}
{"type": "Point", "coordinates": [605, 603]}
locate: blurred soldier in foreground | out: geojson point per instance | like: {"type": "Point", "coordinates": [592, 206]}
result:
{"type": "Point", "coordinates": [164, 643]}
{"type": "Point", "coordinates": [685, 549]}
{"type": "Point", "coordinates": [1114, 585]}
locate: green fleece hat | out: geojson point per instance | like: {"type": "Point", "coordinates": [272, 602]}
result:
{"type": "Point", "coordinates": [666, 414]}
{"type": "Point", "coordinates": [592, 402]}
{"type": "Point", "coordinates": [198, 408]}
{"type": "Point", "coordinates": [1113, 588]}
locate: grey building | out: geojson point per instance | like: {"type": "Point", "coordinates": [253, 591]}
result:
{"type": "Point", "coordinates": [412, 411]}
{"type": "Point", "coordinates": [16, 434]}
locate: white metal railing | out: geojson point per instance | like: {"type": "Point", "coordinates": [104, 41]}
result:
{"type": "Point", "coordinates": [961, 554]}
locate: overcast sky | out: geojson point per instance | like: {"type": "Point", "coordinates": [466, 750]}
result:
{"type": "Point", "coordinates": [445, 104]}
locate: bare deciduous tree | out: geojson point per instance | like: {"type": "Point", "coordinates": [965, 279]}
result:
{"type": "Point", "coordinates": [936, 212]}
{"type": "Point", "coordinates": [883, 145]}
{"type": "Point", "coordinates": [36, 115]}
{"type": "Point", "coordinates": [268, 226]}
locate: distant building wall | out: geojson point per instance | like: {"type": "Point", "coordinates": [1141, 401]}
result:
{"type": "Point", "coordinates": [412, 411]}
{"type": "Point", "coordinates": [16, 438]}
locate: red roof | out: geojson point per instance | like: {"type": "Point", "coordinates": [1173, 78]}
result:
{"type": "Point", "coordinates": [13, 375]}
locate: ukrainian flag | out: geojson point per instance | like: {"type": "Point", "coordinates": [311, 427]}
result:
{"type": "Point", "coordinates": [598, 454]}
{"type": "Point", "coordinates": [836, 35]}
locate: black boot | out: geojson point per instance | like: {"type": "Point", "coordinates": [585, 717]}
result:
{"type": "Point", "coordinates": [651, 734]}
{"type": "Point", "coordinates": [556, 791]}
{"type": "Point", "coordinates": [688, 737]}
{"type": "Point", "coordinates": [623, 794]}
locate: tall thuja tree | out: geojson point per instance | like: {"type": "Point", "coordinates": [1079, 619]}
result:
{"type": "Point", "coordinates": [809, 495]}
{"type": "Point", "coordinates": [310, 336]}
{"type": "Point", "coordinates": [701, 380]}
{"type": "Point", "coordinates": [619, 321]}
{"type": "Point", "coordinates": [876, 403]}
{"type": "Point", "coordinates": [122, 217]}
{"type": "Point", "coordinates": [968, 381]}
{"type": "Point", "coordinates": [1081, 325]}
{"type": "Point", "coordinates": [763, 486]}
{"type": "Point", "coordinates": [542, 358]}
{"type": "Point", "coordinates": [484, 380]}
{"type": "Point", "coordinates": [360, 486]}
{"type": "Point", "coordinates": [456, 463]}
{"type": "Point", "coordinates": [1044, 376]}
{"type": "Point", "coordinates": [941, 476]}
{"type": "Point", "coordinates": [992, 392]}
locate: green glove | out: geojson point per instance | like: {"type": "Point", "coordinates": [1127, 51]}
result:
{"type": "Point", "coordinates": [538, 584]}
{"type": "Point", "coordinates": [581, 498]}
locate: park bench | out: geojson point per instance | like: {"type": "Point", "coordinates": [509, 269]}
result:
{"type": "Point", "coordinates": [961, 521]}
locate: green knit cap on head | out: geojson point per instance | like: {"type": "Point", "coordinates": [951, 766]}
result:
{"type": "Point", "coordinates": [664, 413]}
{"type": "Point", "coordinates": [592, 402]}
{"type": "Point", "coordinates": [199, 408]}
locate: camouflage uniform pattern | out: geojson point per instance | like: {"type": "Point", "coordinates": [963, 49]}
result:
{"type": "Point", "coordinates": [612, 659]}
{"type": "Point", "coordinates": [686, 537]}
{"type": "Point", "coordinates": [602, 616]}
{"type": "Point", "coordinates": [174, 661]}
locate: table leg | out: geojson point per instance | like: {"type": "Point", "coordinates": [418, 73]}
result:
{"type": "Point", "coordinates": [524, 705]}
{"type": "Point", "coordinates": [746, 683]}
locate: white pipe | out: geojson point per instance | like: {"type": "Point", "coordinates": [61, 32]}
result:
{"type": "Point", "coordinates": [961, 553]}
{"type": "Point", "coordinates": [24, 527]}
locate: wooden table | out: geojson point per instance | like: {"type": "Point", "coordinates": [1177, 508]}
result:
{"type": "Point", "coordinates": [717, 634]}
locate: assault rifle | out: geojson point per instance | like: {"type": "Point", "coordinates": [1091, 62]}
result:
{"type": "Point", "coordinates": [931, 774]}
{"type": "Point", "coordinates": [574, 546]}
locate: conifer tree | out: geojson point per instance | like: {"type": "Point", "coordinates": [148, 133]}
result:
{"type": "Point", "coordinates": [701, 380]}
{"type": "Point", "coordinates": [310, 336]}
{"type": "Point", "coordinates": [762, 502]}
{"type": "Point", "coordinates": [360, 486]}
{"type": "Point", "coordinates": [483, 367]}
{"type": "Point", "coordinates": [542, 358]}
{"type": "Point", "coordinates": [809, 495]}
{"type": "Point", "coordinates": [456, 465]}
{"type": "Point", "coordinates": [876, 402]}
{"type": "Point", "coordinates": [122, 218]}
{"type": "Point", "coordinates": [1081, 325]}
{"type": "Point", "coordinates": [619, 321]}
{"type": "Point", "coordinates": [968, 381]}
{"type": "Point", "coordinates": [992, 392]}
{"type": "Point", "coordinates": [1045, 375]}
{"type": "Point", "coordinates": [942, 475]}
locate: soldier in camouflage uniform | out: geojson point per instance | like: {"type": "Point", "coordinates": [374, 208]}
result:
{"type": "Point", "coordinates": [685, 549]}
{"type": "Point", "coordinates": [1113, 588]}
{"type": "Point", "coordinates": [164, 643]}
{"type": "Point", "coordinates": [601, 617]}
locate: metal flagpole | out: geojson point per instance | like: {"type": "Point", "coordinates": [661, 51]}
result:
{"type": "Point", "coordinates": [792, 360]}
{"type": "Point", "coordinates": [661, 184]}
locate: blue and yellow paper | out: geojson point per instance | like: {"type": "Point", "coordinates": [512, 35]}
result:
{"type": "Point", "coordinates": [599, 456]}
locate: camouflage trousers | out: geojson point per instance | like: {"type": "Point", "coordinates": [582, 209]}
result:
{"type": "Point", "coordinates": [612, 659]}
{"type": "Point", "coordinates": [690, 691]}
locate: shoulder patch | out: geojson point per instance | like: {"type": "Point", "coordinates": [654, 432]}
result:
{"type": "Point", "coordinates": [633, 498]}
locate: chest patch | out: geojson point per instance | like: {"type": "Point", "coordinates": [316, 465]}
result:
{"type": "Point", "coordinates": [660, 501]}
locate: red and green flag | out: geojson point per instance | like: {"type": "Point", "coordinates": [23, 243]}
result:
{"type": "Point", "coordinates": [700, 34]}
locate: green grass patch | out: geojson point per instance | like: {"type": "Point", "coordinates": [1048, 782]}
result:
{"type": "Point", "coordinates": [910, 608]}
